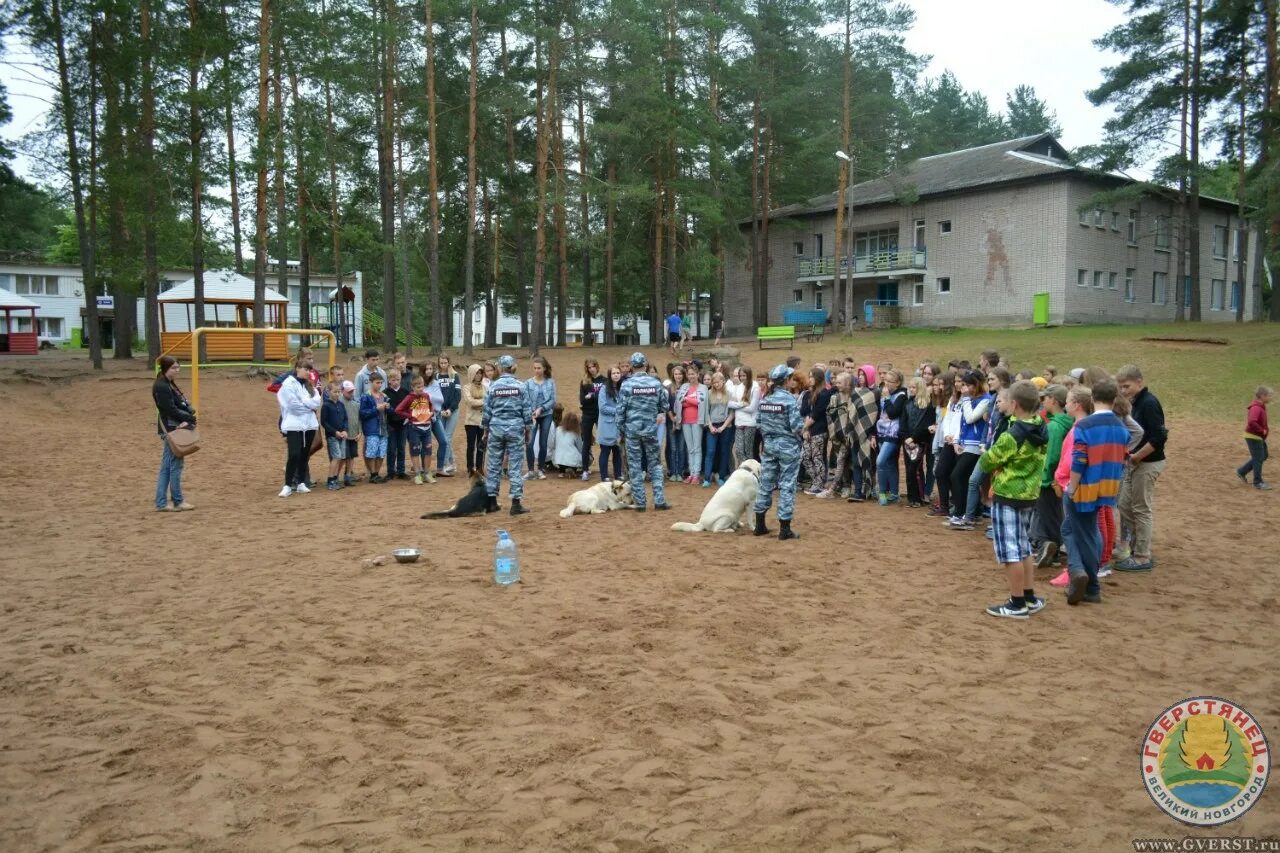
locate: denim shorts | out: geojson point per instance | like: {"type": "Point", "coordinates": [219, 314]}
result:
{"type": "Point", "coordinates": [1011, 527]}
{"type": "Point", "coordinates": [375, 447]}
{"type": "Point", "coordinates": [419, 441]}
{"type": "Point", "coordinates": [337, 448]}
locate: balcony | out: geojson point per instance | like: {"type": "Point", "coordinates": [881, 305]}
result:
{"type": "Point", "coordinates": [894, 262]}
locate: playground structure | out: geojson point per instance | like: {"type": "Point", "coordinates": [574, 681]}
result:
{"type": "Point", "coordinates": [228, 300]}
{"type": "Point", "coordinates": [13, 340]}
{"type": "Point", "coordinates": [280, 344]}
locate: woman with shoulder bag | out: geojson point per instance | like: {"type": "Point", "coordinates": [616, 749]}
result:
{"type": "Point", "coordinates": [173, 412]}
{"type": "Point", "coordinates": [299, 401]}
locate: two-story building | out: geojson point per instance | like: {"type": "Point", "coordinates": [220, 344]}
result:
{"type": "Point", "coordinates": [999, 235]}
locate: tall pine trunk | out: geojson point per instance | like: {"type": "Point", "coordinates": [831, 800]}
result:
{"type": "Point", "coordinates": [540, 192]}
{"type": "Point", "coordinates": [233, 177]}
{"type": "Point", "coordinates": [438, 312]}
{"type": "Point", "coordinates": [1194, 145]}
{"type": "Point", "coordinates": [1268, 231]}
{"type": "Point", "coordinates": [655, 298]}
{"type": "Point", "coordinates": [517, 232]}
{"type": "Point", "coordinates": [196, 175]}
{"type": "Point", "coordinates": [1242, 222]}
{"type": "Point", "coordinates": [715, 161]}
{"type": "Point", "coordinates": [402, 237]}
{"type": "Point", "coordinates": [469, 264]}
{"type": "Point", "coordinates": [588, 336]}
{"type": "Point", "coordinates": [386, 178]}
{"type": "Point", "coordinates": [335, 217]}
{"type": "Point", "coordinates": [562, 226]}
{"type": "Point", "coordinates": [609, 216]}
{"type": "Point", "coordinates": [846, 168]}
{"type": "Point", "coordinates": [277, 127]}
{"type": "Point", "coordinates": [764, 221]}
{"type": "Point", "coordinates": [151, 272]}
{"type": "Point", "coordinates": [88, 269]}
{"type": "Point", "coordinates": [491, 292]}
{"type": "Point", "coordinates": [114, 173]}
{"type": "Point", "coordinates": [260, 194]}
{"type": "Point", "coordinates": [757, 303]}
{"type": "Point", "coordinates": [304, 205]}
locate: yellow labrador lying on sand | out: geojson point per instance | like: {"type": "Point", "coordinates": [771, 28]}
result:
{"type": "Point", "coordinates": [724, 512]}
{"type": "Point", "coordinates": [602, 497]}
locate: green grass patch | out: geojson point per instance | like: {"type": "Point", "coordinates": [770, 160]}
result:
{"type": "Point", "coordinates": [1195, 380]}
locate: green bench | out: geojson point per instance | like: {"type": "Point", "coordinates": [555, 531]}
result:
{"type": "Point", "coordinates": [815, 333]}
{"type": "Point", "coordinates": [786, 334]}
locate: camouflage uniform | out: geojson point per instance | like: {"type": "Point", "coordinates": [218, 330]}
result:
{"type": "Point", "coordinates": [507, 415]}
{"type": "Point", "coordinates": [643, 399]}
{"type": "Point", "coordinates": [779, 422]}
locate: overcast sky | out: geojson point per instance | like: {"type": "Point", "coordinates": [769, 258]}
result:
{"type": "Point", "coordinates": [990, 45]}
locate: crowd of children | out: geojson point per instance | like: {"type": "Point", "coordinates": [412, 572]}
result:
{"type": "Point", "coordinates": [1049, 459]}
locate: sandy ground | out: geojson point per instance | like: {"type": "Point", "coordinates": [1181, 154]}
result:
{"type": "Point", "coordinates": [235, 679]}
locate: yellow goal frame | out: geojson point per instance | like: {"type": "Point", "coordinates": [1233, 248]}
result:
{"type": "Point", "coordinates": [220, 330]}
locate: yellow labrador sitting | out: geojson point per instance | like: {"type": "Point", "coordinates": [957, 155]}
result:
{"type": "Point", "coordinates": [602, 497]}
{"type": "Point", "coordinates": [724, 512]}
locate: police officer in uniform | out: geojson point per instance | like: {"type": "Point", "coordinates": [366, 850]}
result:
{"type": "Point", "coordinates": [508, 414]}
{"type": "Point", "coordinates": [779, 422]}
{"type": "Point", "coordinates": [643, 404]}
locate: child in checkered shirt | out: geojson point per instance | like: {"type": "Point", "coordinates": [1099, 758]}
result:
{"type": "Point", "coordinates": [1016, 463]}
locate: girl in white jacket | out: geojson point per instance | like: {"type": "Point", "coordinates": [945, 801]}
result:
{"type": "Point", "coordinates": [299, 401]}
{"type": "Point", "coordinates": [744, 402]}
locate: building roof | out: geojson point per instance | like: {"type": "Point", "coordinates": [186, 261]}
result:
{"type": "Point", "coordinates": [219, 286]}
{"type": "Point", "coordinates": [13, 300]}
{"type": "Point", "coordinates": [1024, 158]}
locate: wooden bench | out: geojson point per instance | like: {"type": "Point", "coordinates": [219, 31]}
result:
{"type": "Point", "coordinates": [815, 333]}
{"type": "Point", "coordinates": [786, 334]}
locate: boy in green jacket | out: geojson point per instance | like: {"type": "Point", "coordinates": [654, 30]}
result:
{"type": "Point", "coordinates": [1016, 465]}
{"type": "Point", "coordinates": [1047, 531]}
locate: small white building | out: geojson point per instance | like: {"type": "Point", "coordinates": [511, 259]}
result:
{"type": "Point", "coordinates": [58, 290]}
{"type": "Point", "coordinates": [627, 329]}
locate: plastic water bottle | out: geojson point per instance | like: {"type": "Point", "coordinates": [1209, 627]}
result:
{"type": "Point", "coordinates": [506, 562]}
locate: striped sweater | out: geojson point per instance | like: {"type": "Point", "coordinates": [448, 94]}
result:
{"type": "Point", "coordinates": [1098, 454]}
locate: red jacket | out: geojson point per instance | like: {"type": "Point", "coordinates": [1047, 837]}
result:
{"type": "Point", "coordinates": [1257, 422]}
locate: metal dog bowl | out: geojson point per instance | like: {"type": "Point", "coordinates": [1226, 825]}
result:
{"type": "Point", "coordinates": [406, 555]}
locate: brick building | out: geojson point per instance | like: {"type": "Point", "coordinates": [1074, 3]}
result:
{"type": "Point", "coordinates": [985, 237]}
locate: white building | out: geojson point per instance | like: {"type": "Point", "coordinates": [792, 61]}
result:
{"type": "Point", "coordinates": [627, 329]}
{"type": "Point", "coordinates": [59, 291]}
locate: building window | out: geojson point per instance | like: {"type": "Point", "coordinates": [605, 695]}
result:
{"type": "Point", "coordinates": [1133, 227]}
{"type": "Point", "coordinates": [1097, 278]}
{"type": "Point", "coordinates": [36, 285]}
{"type": "Point", "coordinates": [1217, 289]}
{"type": "Point", "coordinates": [1115, 220]}
{"type": "Point", "coordinates": [797, 295]}
{"type": "Point", "coordinates": [1084, 217]}
{"type": "Point", "coordinates": [1186, 290]}
{"type": "Point", "coordinates": [50, 327]}
{"type": "Point", "coordinates": [1082, 278]}
{"type": "Point", "coordinates": [817, 245]}
{"type": "Point", "coordinates": [868, 243]}
{"type": "Point", "coordinates": [944, 226]}
{"type": "Point", "coordinates": [6, 282]}
{"type": "Point", "coordinates": [817, 299]}
{"type": "Point", "coordinates": [1235, 296]}
{"type": "Point", "coordinates": [917, 294]}
{"type": "Point", "coordinates": [22, 324]}
{"type": "Point", "coordinates": [1159, 283]}
{"type": "Point", "coordinates": [510, 339]}
{"type": "Point", "coordinates": [1099, 218]}
{"type": "Point", "coordinates": [944, 285]}
{"type": "Point", "coordinates": [1128, 284]}
{"type": "Point", "coordinates": [799, 247]}
{"type": "Point", "coordinates": [1162, 233]}
{"type": "Point", "coordinates": [919, 235]}
{"type": "Point", "coordinates": [1219, 241]}
{"type": "Point", "coordinates": [1236, 244]}
{"type": "Point", "coordinates": [1111, 281]}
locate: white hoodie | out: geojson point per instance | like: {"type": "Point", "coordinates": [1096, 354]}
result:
{"type": "Point", "coordinates": [297, 410]}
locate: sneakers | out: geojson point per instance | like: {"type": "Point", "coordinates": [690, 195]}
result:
{"type": "Point", "coordinates": [961, 524]}
{"type": "Point", "coordinates": [825, 494]}
{"type": "Point", "coordinates": [1242, 478]}
{"type": "Point", "coordinates": [429, 477]}
{"type": "Point", "coordinates": [530, 475]}
{"type": "Point", "coordinates": [990, 534]}
{"type": "Point", "coordinates": [884, 499]}
{"type": "Point", "coordinates": [585, 476]}
{"type": "Point", "coordinates": [661, 507]}
{"type": "Point", "coordinates": [1035, 604]}
{"type": "Point", "coordinates": [1262, 487]}
{"type": "Point", "coordinates": [1007, 610]}
{"type": "Point", "coordinates": [332, 484]}
{"type": "Point", "coordinates": [856, 498]}
{"type": "Point", "coordinates": [417, 479]}
{"type": "Point", "coordinates": [707, 484]}
{"type": "Point", "coordinates": [893, 497]}
{"type": "Point", "coordinates": [541, 474]}
{"type": "Point", "coordinates": [936, 511]}
{"type": "Point", "coordinates": [285, 492]}
{"type": "Point", "coordinates": [1062, 579]}
{"type": "Point", "coordinates": [1093, 598]}
{"type": "Point", "coordinates": [346, 481]}
{"type": "Point", "coordinates": [1045, 554]}
{"type": "Point", "coordinates": [1133, 564]}
{"type": "Point", "coordinates": [302, 489]}
{"type": "Point", "coordinates": [1104, 571]}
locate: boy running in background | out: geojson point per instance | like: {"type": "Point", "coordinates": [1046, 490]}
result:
{"type": "Point", "coordinates": [1255, 435]}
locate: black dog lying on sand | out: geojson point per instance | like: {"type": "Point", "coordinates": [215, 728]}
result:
{"type": "Point", "coordinates": [474, 502]}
